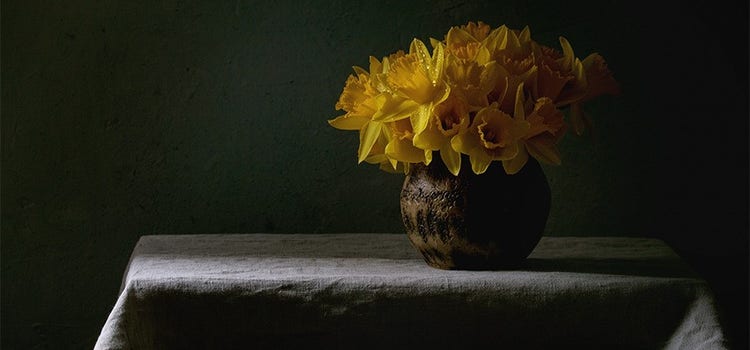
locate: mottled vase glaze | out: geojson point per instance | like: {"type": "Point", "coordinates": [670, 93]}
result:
{"type": "Point", "coordinates": [490, 221]}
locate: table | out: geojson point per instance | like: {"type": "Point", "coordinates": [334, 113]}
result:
{"type": "Point", "coordinates": [359, 290]}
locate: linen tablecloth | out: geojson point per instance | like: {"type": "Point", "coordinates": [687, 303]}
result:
{"type": "Point", "coordinates": [374, 291]}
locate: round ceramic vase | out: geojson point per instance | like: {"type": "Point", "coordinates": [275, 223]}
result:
{"type": "Point", "coordinates": [489, 221]}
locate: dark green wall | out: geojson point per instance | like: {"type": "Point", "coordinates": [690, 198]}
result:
{"type": "Point", "coordinates": [125, 118]}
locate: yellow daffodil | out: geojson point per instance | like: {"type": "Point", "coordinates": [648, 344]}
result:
{"type": "Point", "coordinates": [448, 119]}
{"type": "Point", "coordinates": [470, 85]}
{"type": "Point", "coordinates": [492, 94]}
{"type": "Point", "coordinates": [464, 46]}
{"type": "Point", "coordinates": [400, 147]}
{"type": "Point", "coordinates": [599, 78]}
{"type": "Point", "coordinates": [550, 78]}
{"type": "Point", "coordinates": [378, 154]}
{"type": "Point", "coordinates": [465, 42]}
{"type": "Point", "coordinates": [472, 82]}
{"type": "Point", "coordinates": [418, 78]}
{"type": "Point", "coordinates": [546, 129]}
{"type": "Point", "coordinates": [493, 135]}
{"type": "Point", "coordinates": [478, 30]}
{"type": "Point", "coordinates": [600, 82]}
{"type": "Point", "coordinates": [513, 52]}
{"type": "Point", "coordinates": [358, 101]}
{"type": "Point", "coordinates": [368, 102]}
{"type": "Point", "coordinates": [557, 69]}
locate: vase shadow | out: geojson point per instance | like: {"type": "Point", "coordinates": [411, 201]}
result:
{"type": "Point", "coordinates": [628, 267]}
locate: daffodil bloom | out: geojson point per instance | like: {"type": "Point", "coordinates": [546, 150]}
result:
{"type": "Point", "coordinates": [418, 78]}
{"type": "Point", "coordinates": [409, 86]}
{"type": "Point", "coordinates": [377, 152]}
{"type": "Point", "coordinates": [566, 67]}
{"type": "Point", "coordinates": [464, 46]}
{"type": "Point", "coordinates": [505, 42]}
{"type": "Point", "coordinates": [409, 78]}
{"type": "Point", "coordinates": [600, 82]}
{"type": "Point", "coordinates": [470, 85]}
{"type": "Point", "coordinates": [368, 101]}
{"type": "Point", "coordinates": [393, 149]}
{"type": "Point", "coordinates": [400, 147]}
{"type": "Point", "coordinates": [546, 129]}
{"type": "Point", "coordinates": [358, 101]}
{"type": "Point", "coordinates": [478, 30]}
{"type": "Point", "coordinates": [465, 42]}
{"type": "Point", "coordinates": [599, 78]}
{"type": "Point", "coordinates": [513, 52]}
{"type": "Point", "coordinates": [472, 82]}
{"type": "Point", "coordinates": [389, 105]}
{"type": "Point", "coordinates": [493, 135]}
{"type": "Point", "coordinates": [448, 119]}
{"type": "Point", "coordinates": [492, 94]}
{"type": "Point", "coordinates": [550, 78]}
{"type": "Point", "coordinates": [384, 143]}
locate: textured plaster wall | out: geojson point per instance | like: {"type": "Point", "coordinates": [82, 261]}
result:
{"type": "Point", "coordinates": [125, 118]}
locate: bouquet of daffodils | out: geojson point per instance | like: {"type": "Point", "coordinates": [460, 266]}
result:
{"type": "Point", "coordinates": [491, 94]}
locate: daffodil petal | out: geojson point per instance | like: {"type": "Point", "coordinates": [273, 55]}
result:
{"type": "Point", "coordinates": [420, 119]}
{"type": "Point", "coordinates": [519, 113]}
{"type": "Point", "coordinates": [598, 77]}
{"type": "Point", "coordinates": [392, 108]}
{"type": "Point", "coordinates": [434, 42]}
{"type": "Point", "coordinates": [568, 54]}
{"type": "Point", "coordinates": [436, 63]}
{"type": "Point", "coordinates": [495, 38]}
{"type": "Point", "coordinates": [430, 139]}
{"type": "Point", "coordinates": [423, 54]}
{"type": "Point", "coordinates": [367, 137]}
{"type": "Point", "coordinates": [512, 40]}
{"type": "Point", "coordinates": [458, 36]}
{"type": "Point", "coordinates": [451, 159]}
{"type": "Point", "coordinates": [576, 118]}
{"type": "Point", "coordinates": [543, 149]}
{"type": "Point", "coordinates": [479, 163]}
{"type": "Point", "coordinates": [489, 77]}
{"type": "Point", "coordinates": [387, 167]}
{"type": "Point", "coordinates": [360, 70]}
{"type": "Point", "coordinates": [458, 143]}
{"type": "Point", "coordinates": [376, 159]}
{"type": "Point", "coordinates": [394, 163]}
{"type": "Point", "coordinates": [515, 164]}
{"type": "Point", "coordinates": [348, 122]}
{"type": "Point", "coordinates": [375, 65]}
{"type": "Point", "coordinates": [483, 56]}
{"type": "Point", "coordinates": [525, 35]}
{"type": "Point", "coordinates": [404, 151]}
{"type": "Point", "coordinates": [508, 152]}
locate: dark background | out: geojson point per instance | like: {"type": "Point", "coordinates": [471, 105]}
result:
{"type": "Point", "coordinates": [125, 118]}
